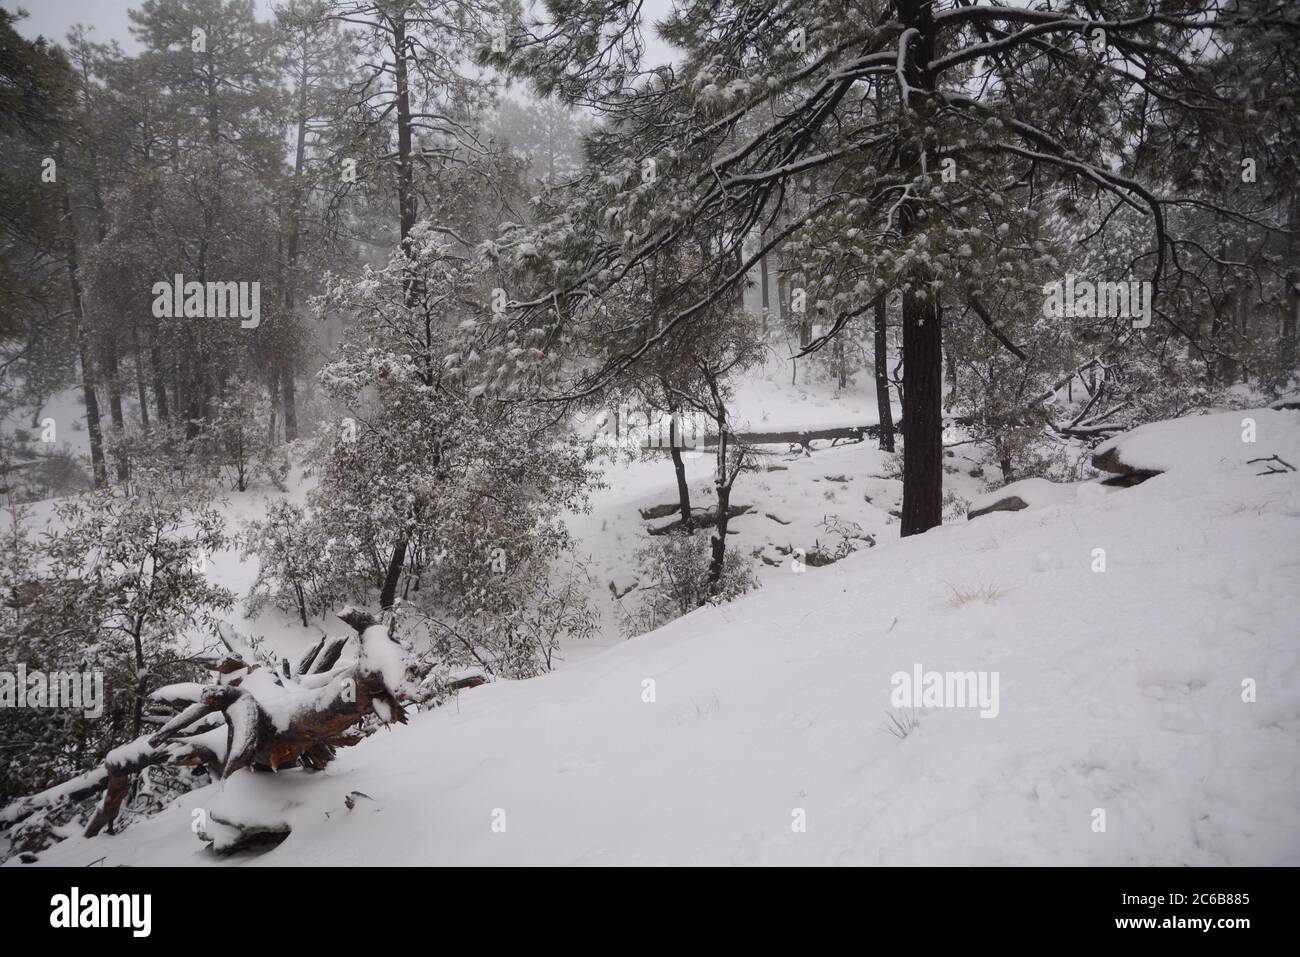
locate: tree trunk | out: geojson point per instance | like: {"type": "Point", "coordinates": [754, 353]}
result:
{"type": "Point", "coordinates": [107, 343]}
{"type": "Point", "coordinates": [287, 397]}
{"type": "Point", "coordinates": [406, 221]}
{"type": "Point", "coordinates": [273, 417]}
{"type": "Point", "coordinates": [395, 565]}
{"type": "Point", "coordinates": [1287, 343]}
{"type": "Point", "coordinates": [922, 413]}
{"type": "Point", "coordinates": [176, 389]}
{"type": "Point", "coordinates": [950, 374]}
{"type": "Point", "coordinates": [675, 441]}
{"type": "Point", "coordinates": [289, 401]}
{"type": "Point", "coordinates": [141, 679]}
{"type": "Point", "coordinates": [683, 490]}
{"type": "Point", "coordinates": [82, 333]}
{"type": "Point", "coordinates": [922, 329]}
{"type": "Point", "coordinates": [142, 395]}
{"type": "Point", "coordinates": [883, 403]}
{"type": "Point", "coordinates": [113, 379]}
{"type": "Point", "coordinates": [196, 394]}
{"type": "Point", "coordinates": [718, 543]}
{"type": "Point", "coordinates": [405, 170]}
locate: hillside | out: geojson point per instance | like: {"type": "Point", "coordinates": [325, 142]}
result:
{"type": "Point", "coordinates": [1119, 690]}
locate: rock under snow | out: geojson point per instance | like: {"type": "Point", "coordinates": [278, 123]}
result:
{"type": "Point", "coordinates": [1221, 443]}
{"type": "Point", "coordinates": [1027, 493]}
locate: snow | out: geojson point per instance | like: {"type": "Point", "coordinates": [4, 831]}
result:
{"type": "Point", "coordinates": [1219, 443]}
{"type": "Point", "coordinates": [129, 753]}
{"type": "Point", "coordinates": [1120, 691]}
{"type": "Point", "coordinates": [68, 410]}
{"type": "Point", "coordinates": [181, 691]}
{"type": "Point", "coordinates": [1037, 493]}
{"type": "Point", "coordinates": [55, 795]}
{"type": "Point", "coordinates": [382, 656]}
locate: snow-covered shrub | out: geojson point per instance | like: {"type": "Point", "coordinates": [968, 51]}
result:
{"type": "Point", "coordinates": [31, 470]}
{"type": "Point", "coordinates": [236, 440]}
{"type": "Point", "coordinates": [116, 586]}
{"type": "Point", "coordinates": [845, 537]}
{"type": "Point", "coordinates": [674, 570]}
{"type": "Point", "coordinates": [954, 506]}
{"type": "Point", "coordinates": [299, 570]}
{"type": "Point", "coordinates": [517, 637]}
{"type": "Point", "coordinates": [448, 494]}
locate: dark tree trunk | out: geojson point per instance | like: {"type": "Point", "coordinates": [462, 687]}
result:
{"type": "Point", "coordinates": [1291, 300]}
{"type": "Point", "coordinates": [675, 442]}
{"type": "Point", "coordinates": [197, 403]}
{"type": "Point", "coordinates": [83, 334]}
{"type": "Point", "coordinates": [406, 222]}
{"type": "Point", "coordinates": [950, 375]}
{"type": "Point", "coordinates": [405, 171]}
{"type": "Point", "coordinates": [683, 490]}
{"type": "Point", "coordinates": [177, 406]}
{"type": "Point", "coordinates": [718, 545]}
{"type": "Point", "coordinates": [882, 377]}
{"type": "Point", "coordinates": [141, 681]}
{"type": "Point", "coordinates": [289, 400]}
{"type": "Point", "coordinates": [922, 413]}
{"type": "Point", "coordinates": [722, 484]}
{"type": "Point", "coordinates": [274, 417]}
{"type": "Point", "coordinates": [922, 329]}
{"type": "Point", "coordinates": [718, 542]}
{"type": "Point", "coordinates": [112, 377]}
{"type": "Point", "coordinates": [107, 343]}
{"type": "Point", "coordinates": [141, 393]}
{"type": "Point", "coordinates": [395, 565]}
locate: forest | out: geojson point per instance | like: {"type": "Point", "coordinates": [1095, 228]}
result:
{"type": "Point", "coordinates": [477, 366]}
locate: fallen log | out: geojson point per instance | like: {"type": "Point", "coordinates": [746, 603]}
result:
{"type": "Point", "coordinates": [801, 437]}
{"type": "Point", "coordinates": [707, 519]}
{"type": "Point", "coordinates": [315, 709]}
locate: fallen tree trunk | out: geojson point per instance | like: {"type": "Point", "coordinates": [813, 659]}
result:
{"type": "Point", "coordinates": [315, 707]}
{"type": "Point", "coordinates": [805, 437]}
{"type": "Point", "coordinates": [708, 519]}
{"type": "Point", "coordinates": [801, 437]}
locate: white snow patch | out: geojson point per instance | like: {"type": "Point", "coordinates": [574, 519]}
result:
{"type": "Point", "coordinates": [1219, 443]}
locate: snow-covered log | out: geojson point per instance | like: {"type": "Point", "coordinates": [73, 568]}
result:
{"type": "Point", "coordinates": [269, 719]}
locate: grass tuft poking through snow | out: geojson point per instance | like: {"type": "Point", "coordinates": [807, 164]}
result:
{"type": "Point", "coordinates": [959, 595]}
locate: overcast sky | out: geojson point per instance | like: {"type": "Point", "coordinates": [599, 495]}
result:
{"type": "Point", "coordinates": [52, 18]}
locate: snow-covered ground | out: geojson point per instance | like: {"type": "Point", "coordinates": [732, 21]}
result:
{"type": "Point", "coordinates": [1122, 700]}
{"type": "Point", "coordinates": [788, 504]}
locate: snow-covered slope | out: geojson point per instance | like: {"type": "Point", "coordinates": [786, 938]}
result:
{"type": "Point", "coordinates": [1119, 691]}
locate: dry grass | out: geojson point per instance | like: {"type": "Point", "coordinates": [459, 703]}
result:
{"type": "Point", "coordinates": [959, 595]}
{"type": "Point", "coordinates": [901, 727]}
